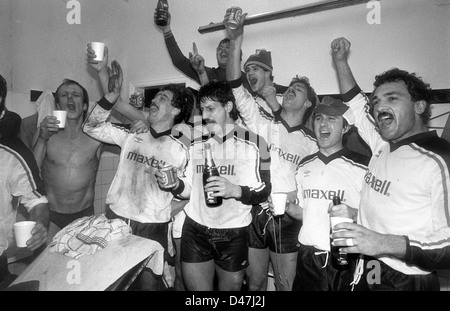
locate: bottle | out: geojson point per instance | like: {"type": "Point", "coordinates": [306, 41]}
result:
{"type": "Point", "coordinates": [338, 260]}
{"type": "Point", "coordinates": [162, 13]}
{"type": "Point", "coordinates": [210, 169]}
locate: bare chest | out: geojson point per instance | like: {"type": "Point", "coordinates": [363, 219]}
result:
{"type": "Point", "coordinates": [73, 152]}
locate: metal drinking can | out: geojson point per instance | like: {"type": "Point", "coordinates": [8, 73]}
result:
{"type": "Point", "coordinates": [235, 17]}
{"type": "Point", "coordinates": [170, 175]}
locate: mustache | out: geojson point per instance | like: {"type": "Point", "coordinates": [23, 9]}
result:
{"type": "Point", "coordinates": [384, 114]}
{"type": "Point", "coordinates": [209, 121]}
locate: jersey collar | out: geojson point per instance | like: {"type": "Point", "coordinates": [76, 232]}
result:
{"type": "Point", "coordinates": [300, 127]}
{"type": "Point", "coordinates": [344, 151]}
{"type": "Point", "coordinates": [157, 135]}
{"type": "Point", "coordinates": [412, 139]}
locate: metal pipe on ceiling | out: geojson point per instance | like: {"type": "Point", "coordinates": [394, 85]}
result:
{"type": "Point", "coordinates": [302, 10]}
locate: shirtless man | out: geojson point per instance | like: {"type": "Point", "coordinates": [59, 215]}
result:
{"type": "Point", "coordinates": [68, 159]}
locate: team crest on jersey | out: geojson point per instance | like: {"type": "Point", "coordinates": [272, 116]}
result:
{"type": "Point", "coordinates": [138, 139]}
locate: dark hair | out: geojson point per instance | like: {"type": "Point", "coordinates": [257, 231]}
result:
{"type": "Point", "coordinates": [417, 88]}
{"type": "Point", "coordinates": [221, 92]}
{"type": "Point", "coordinates": [182, 99]}
{"type": "Point", "coordinates": [344, 125]}
{"type": "Point", "coordinates": [227, 40]}
{"type": "Point", "coordinates": [3, 92]}
{"type": "Point", "coordinates": [85, 93]}
{"type": "Point", "coordinates": [312, 96]}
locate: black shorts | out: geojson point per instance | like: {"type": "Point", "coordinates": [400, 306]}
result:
{"type": "Point", "coordinates": [62, 220]}
{"type": "Point", "coordinates": [315, 272]}
{"type": "Point", "coordinates": [390, 279]}
{"type": "Point", "coordinates": [4, 272]}
{"type": "Point", "coordinates": [227, 247]}
{"type": "Point", "coordinates": [280, 234]}
{"type": "Point", "coordinates": [158, 232]}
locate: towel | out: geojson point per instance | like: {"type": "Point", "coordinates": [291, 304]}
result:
{"type": "Point", "coordinates": [45, 105]}
{"type": "Point", "coordinates": [87, 235]}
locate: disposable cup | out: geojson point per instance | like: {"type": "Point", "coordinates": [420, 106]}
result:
{"type": "Point", "coordinates": [279, 203]}
{"type": "Point", "coordinates": [99, 48]}
{"type": "Point", "coordinates": [61, 117]}
{"type": "Point", "coordinates": [22, 232]}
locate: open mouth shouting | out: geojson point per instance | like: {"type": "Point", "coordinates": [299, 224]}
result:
{"type": "Point", "coordinates": [252, 80]}
{"type": "Point", "coordinates": [290, 94]}
{"type": "Point", "coordinates": [324, 133]}
{"type": "Point", "coordinates": [223, 55]}
{"type": "Point", "coordinates": [71, 107]}
{"type": "Point", "coordinates": [385, 118]}
{"type": "Point", "coordinates": [154, 107]}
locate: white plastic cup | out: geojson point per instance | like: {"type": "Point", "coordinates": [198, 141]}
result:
{"type": "Point", "coordinates": [61, 117]}
{"type": "Point", "coordinates": [99, 49]}
{"type": "Point", "coordinates": [279, 203]}
{"type": "Point", "coordinates": [22, 232]}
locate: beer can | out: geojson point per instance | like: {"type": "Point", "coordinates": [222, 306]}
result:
{"type": "Point", "coordinates": [235, 17]}
{"type": "Point", "coordinates": [170, 176]}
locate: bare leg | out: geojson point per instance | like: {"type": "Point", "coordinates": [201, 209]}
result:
{"type": "Point", "coordinates": [284, 269]}
{"type": "Point", "coordinates": [198, 276]}
{"type": "Point", "coordinates": [257, 270]}
{"type": "Point", "coordinates": [230, 281]}
{"type": "Point", "coordinates": [179, 283]}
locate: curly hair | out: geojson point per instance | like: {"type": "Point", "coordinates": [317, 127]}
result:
{"type": "Point", "coordinates": [221, 92]}
{"type": "Point", "coordinates": [183, 99]}
{"type": "Point", "coordinates": [417, 88]}
{"type": "Point", "coordinates": [312, 96]}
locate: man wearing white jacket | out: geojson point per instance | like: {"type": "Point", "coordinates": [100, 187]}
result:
{"type": "Point", "coordinates": [404, 216]}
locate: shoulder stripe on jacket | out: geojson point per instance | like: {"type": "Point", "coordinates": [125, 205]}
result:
{"type": "Point", "coordinates": [444, 176]}
{"type": "Point", "coordinates": [25, 167]}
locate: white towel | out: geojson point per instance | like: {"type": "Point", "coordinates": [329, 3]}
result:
{"type": "Point", "coordinates": [45, 105]}
{"type": "Point", "coordinates": [87, 235]}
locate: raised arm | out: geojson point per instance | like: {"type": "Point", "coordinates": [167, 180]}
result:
{"type": "Point", "coordinates": [359, 112]}
{"type": "Point", "coordinates": [101, 67]}
{"type": "Point", "coordinates": [233, 67]}
{"type": "Point", "coordinates": [180, 61]}
{"type": "Point", "coordinates": [340, 49]}
{"type": "Point", "coordinates": [198, 63]}
{"type": "Point", "coordinates": [111, 78]}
